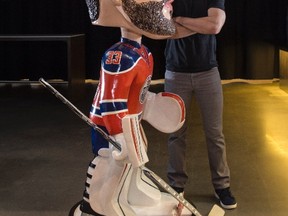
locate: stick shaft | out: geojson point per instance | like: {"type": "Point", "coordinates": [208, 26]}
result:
{"type": "Point", "coordinates": [79, 113]}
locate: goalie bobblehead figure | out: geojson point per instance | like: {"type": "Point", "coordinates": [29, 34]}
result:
{"type": "Point", "coordinates": [116, 185]}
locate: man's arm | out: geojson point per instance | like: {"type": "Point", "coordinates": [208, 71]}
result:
{"type": "Point", "coordinates": [212, 24]}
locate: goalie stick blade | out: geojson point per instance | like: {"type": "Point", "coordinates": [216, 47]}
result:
{"type": "Point", "coordinates": [160, 182]}
{"type": "Point", "coordinates": [216, 211]}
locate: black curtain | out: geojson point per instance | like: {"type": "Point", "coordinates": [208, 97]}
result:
{"type": "Point", "coordinates": [247, 45]}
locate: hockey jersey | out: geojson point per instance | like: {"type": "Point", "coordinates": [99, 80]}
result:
{"type": "Point", "coordinates": [125, 76]}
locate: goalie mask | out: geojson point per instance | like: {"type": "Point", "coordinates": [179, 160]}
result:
{"type": "Point", "coordinates": [145, 17]}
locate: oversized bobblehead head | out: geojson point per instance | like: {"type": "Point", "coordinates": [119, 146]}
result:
{"type": "Point", "coordinates": [151, 18]}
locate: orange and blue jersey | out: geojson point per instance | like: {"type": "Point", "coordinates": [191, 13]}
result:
{"type": "Point", "coordinates": [125, 76]}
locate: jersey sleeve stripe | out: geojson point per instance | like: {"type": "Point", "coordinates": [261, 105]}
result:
{"type": "Point", "coordinates": [109, 107]}
{"type": "Point", "coordinates": [95, 111]}
{"type": "Point", "coordinates": [114, 112]}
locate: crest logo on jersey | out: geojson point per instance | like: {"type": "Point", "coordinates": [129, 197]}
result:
{"type": "Point", "coordinates": [144, 89]}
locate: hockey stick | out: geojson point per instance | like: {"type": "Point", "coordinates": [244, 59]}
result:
{"type": "Point", "coordinates": [216, 210]}
{"type": "Point", "coordinates": [79, 113]}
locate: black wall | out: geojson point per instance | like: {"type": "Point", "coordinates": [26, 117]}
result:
{"type": "Point", "coordinates": [282, 27]}
{"type": "Point", "coordinates": [247, 46]}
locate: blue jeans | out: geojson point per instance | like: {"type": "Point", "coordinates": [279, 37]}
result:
{"type": "Point", "coordinates": [207, 89]}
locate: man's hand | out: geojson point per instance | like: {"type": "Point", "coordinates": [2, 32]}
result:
{"type": "Point", "coordinates": [211, 24]}
{"type": "Point", "coordinates": [181, 31]}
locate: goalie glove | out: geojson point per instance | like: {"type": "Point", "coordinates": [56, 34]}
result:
{"type": "Point", "coordinates": [165, 111]}
{"type": "Point", "coordinates": [133, 147]}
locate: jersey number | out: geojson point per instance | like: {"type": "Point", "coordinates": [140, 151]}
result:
{"type": "Point", "coordinates": [113, 57]}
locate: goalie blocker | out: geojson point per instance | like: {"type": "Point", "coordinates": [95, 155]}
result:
{"type": "Point", "coordinates": [165, 111]}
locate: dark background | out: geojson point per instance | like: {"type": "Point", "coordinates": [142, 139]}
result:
{"type": "Point", "coordinates": [248, 44]}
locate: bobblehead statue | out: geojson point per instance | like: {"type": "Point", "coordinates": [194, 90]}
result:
{"type": "Point", "coordinates": [116, 184]}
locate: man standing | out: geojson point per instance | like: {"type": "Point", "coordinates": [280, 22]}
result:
{"type": "Point", "coordinates": [192, 69]}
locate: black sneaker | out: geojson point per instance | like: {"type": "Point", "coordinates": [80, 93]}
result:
{"type": "Point", "coordinates": [227, 200]}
